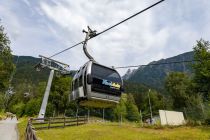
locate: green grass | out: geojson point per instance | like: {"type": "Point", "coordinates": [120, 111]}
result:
{"type": "Point", "coordinates": [112, 131]}
{"type": "Point", "coordinates": [2, 115]}
{"type": "Point", "coordinates": [22, 123]}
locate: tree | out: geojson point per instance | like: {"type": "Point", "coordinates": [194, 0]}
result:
{"type": "Point", "coordinates": [120, 109]}
{"type": "Point", "coordinates": [59, 95]}
{"type": "Point", "coordinates": [1, 102]}
{"type": "Point", "coordinates": [201, 79]}
{"type": "Point", "coordinates": [6, 64]}
{"type": "Point", "coordinates": [32, 107]}
{"type": "Point", "coordinates": [18, 109]}
{"type": "Point", "coordinates": [132, 109]}
{"type": "Point", "coordinates": [157, 102]}
{"type": "Point", "coordinates": [177, 85]}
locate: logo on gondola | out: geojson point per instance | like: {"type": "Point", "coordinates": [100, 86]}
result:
{"type": "Point", "coordinates": [111, 84]}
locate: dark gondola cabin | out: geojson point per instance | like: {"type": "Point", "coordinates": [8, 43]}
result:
{"type": "Point", "coordinates": [95, 85]}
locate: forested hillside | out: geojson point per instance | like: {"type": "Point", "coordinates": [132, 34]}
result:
{"type": "Point", "coordinates": [154, 75]}
{"type": "Point", "coordinates": [25, 71]}
{"type": "Point", "coordinates": [151, 76]}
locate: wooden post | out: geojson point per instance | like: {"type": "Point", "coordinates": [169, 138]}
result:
{"type": "Point", "coordinates": [103, 114]}
{"type": "Point", "coordinates": [77, 120]}
{"type": "Point", "coordinates": [120, 118]}
{"type": "Point", "coordinates": [185, 112]}
{"type": "Point", "coordinates": [53, 113]}
{"type": "Point", "coordinates": [30, 134]}
{"type": "Point", "coordinates": [26, 133]}
{"type": "Point", "coordinates": [64, 124]}
{"type": "Point", "coordinates": [49, 123]}
{"type": "Point", "coordinates": [88, 115]}
{"type": "Point", "coordinates": [77, 112]}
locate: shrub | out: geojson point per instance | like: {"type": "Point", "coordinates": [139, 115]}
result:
{"type": "Point", "coordinates": [49, 110]}
{"type": "Point", "coordinates": [18, 109]}
{"type": "Point", "coordinates": [32, 107]}
{"type": "Point", "coordinates": [193, 123]}
{"type": "Point", "coordinates": [207, 121]}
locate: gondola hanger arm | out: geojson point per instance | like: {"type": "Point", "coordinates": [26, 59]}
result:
{"type": "Point", "coordinates": [89, 34]}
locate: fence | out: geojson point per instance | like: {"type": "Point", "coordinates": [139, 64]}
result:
{"type": "Point", "coordinates": [47, 123]}
{"type": "Point", "coordinates": [30, 133]}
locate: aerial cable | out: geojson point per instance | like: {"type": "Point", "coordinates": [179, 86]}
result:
{"type": "Point", "coordinates": [130, 17]}
{"type": "Point", "coordinates": [66, 49]}
{"type": "Point", "coordinates": [109, 28]}
{"type": "Point", "coordinates": [155, 64]}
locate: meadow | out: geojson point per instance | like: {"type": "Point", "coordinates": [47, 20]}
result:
{"type": "Point", "coordinates": [126, 131]}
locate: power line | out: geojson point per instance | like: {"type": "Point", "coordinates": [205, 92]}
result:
{"type": "Point", "coordinates": [66, 49]}
{"type": "Point", "coordinates": [131, 17]}
{"type": "Point", "coordinates": [110, 27]}
{"type": "Point", "coordinates": [154, 64]}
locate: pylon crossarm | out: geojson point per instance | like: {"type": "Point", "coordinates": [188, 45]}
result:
{"type": "Point", "coordinates": [52, 64]}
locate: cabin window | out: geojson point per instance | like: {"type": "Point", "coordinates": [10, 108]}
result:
{"type": "Point", "coordinates": [80, 81]}
{"type": "Point", "coordinates": [76, 84]}
{"type": "Point", "coordinates": [72, 86]}
{"type": "Point", "coordinates": [102, 72]}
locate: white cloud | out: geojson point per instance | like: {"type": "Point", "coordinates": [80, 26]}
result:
{"type": "Point", "coordinates": [13, 27]}
{"type": "Point", "coordinates": [46, 27]}
{"type": "Point", "coordinates": [111, 48]}
{"type": "Point", "coordinates": [27, 3]}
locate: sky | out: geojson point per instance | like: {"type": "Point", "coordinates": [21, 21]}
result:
{"type": "Point", "coordinates": [48, 26]}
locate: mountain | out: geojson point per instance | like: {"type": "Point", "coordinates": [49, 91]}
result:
{"type": "Point", "coordinates": [25, 71]}
{"type": "Point", "coordinates": [154, 74]}
{"type": "Point", "coordinates": [150, 76]}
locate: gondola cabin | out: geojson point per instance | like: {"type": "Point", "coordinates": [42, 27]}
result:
{"type": "Point", "coordinates": [95, 85]}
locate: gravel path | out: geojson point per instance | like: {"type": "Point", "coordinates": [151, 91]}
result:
{"type": "Point", "coordinates": [8, 129]}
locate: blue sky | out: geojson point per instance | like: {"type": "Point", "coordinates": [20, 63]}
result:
{"type": "Point", "coordinates": [45, 27]}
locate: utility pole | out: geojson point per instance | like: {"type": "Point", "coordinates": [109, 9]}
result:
{"type": "Point", "coordinates": [141, 119]}
{"type": "Point", "coordinates": [150, 107]}
{"type": "Point", "coordinates": [53, 65]}
{"type": "Point", "coordinates": [46, 95]}
{"type": "Point", "coordinates": [202, 108]}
